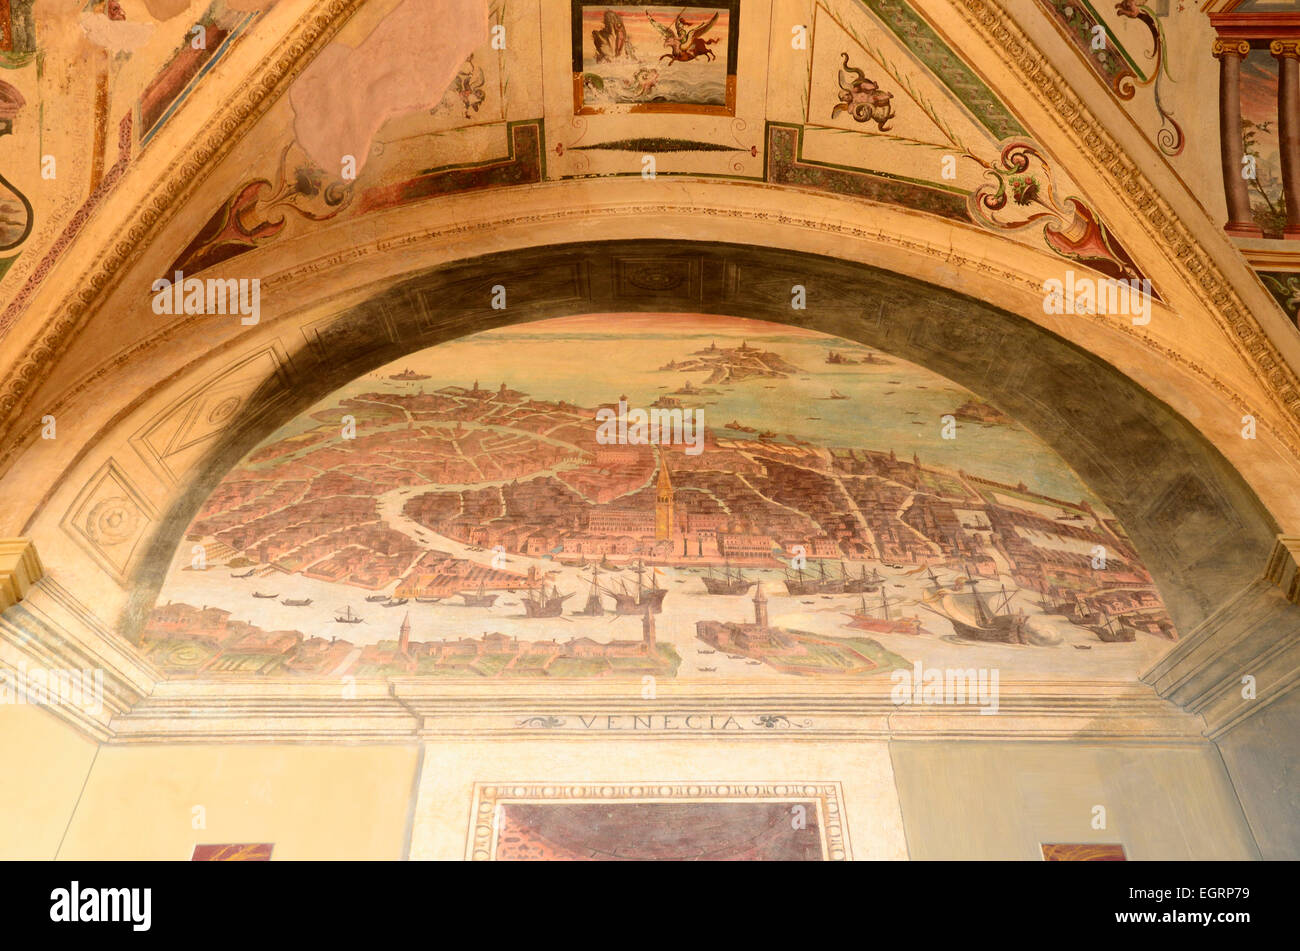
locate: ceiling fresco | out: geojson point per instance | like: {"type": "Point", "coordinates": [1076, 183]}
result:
{"type": "Point", "coordinates": [701, 498]}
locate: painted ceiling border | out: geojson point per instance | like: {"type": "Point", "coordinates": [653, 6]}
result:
{"type": "Point", "coordinates": [1167, 231]}
{"type": "Point", "coordinates": [167, 196]}
{"type": "Point", "coordinates": [985, 19]}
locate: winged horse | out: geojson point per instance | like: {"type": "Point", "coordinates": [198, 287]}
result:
{"type": "Point", "coordinates": [684, 40]}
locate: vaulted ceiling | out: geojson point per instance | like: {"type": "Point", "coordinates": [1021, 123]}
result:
{"type": "Point", "coordinates": [380, 166]}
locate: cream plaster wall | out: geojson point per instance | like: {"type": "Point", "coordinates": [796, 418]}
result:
{"type": "Point", "coordinates": [43, 762]}
{"type": "Point", "coordinates": [309, 801]}
{"type": "Point", "coordinates": [970, 800]}
{"type": "Point", "coordinates": [926, 799]}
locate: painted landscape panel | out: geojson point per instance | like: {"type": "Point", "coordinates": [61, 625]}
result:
{"type": "Point", "coordinates": [809, 509]}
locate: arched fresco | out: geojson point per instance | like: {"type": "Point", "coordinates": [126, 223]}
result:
{"type": "Point", "coordinates": [688, 496]}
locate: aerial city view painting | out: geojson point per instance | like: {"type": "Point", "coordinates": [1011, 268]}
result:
{"type": "Point", "coordinates": [694, 497]}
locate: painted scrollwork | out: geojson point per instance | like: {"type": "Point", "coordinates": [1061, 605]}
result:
{"type": "Point", "coordinates": [259, 211]}
{"type": "Point", "coordinates": [1018, 194]}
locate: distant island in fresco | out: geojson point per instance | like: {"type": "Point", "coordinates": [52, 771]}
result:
{"type": "Point", "coordinates": [484, 531]}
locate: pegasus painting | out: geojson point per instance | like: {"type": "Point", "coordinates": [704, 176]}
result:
{"type": "Point", "coordinates": [636, 58]}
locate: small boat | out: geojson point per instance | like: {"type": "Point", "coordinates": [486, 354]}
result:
{"type": "Point", "coordinates": [754, 663]}
{"type": "Point", "coordinates": [706, 652]}
{"type": "Point", "coordinates": [837, 395]}
{"type": "Point", "coordinates": [707, 670]}
{"type": "Point", "coordinates": [734, 657]}
{"type": "Point", "coordinates": [301, 603]}
{"type": "Point", "coordinates": [348, 617]}
{"type": "Point", "coordinates": [246, 574]}
{"type": "Point", "coordinates": [427, 600]}
{"type": "Point", "coordinates": [258, 594]}
{"type": "Point", "coordinates": [396, 603]}
{"type": "Point", "coordinates": [376, 598]}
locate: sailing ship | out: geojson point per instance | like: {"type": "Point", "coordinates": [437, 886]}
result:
{"type": "Point", "coordinates": [935, 584]}
{"type": "Point", "coordinates": [1112, 633]}
{"type": "Point", "coordinates": [993, 622]}
{"type": "Point", "coordinates": [479, 600]}
{"type": "Point", "coordinates": [1075, 608]}
{"type": "Point", "coordinates": [348, 617]}
{"type": "Point", "coordinates": [537, 603]}
{"type": "Point", "coordinates": [300, 603]}
{"type": "Point", "coordinates": [800, 584]}
{"type": "Point", "coordinates": [862, 584]}
{"type": "Point", "coordinates": [729, 583]}
{"type": "Point", "coordinates": [881, 620]}
{"type": "Point", "coordinates": [649, 596]}
{"type": "Point", "coordinates": [594, 606]}
{"type": "Point", "coordinates": [822, 584]}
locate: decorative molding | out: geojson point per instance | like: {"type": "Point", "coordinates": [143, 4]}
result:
{"type": "Point", "coordinates": [1284, 567]}
{"type": "Point", "coordinates": [54, 633]}
{"type": "Point", "coordinates": [1245, 655]}
{"type": "Point", "coordinates": [828, 798]}
{"type": "Point", "coordinates": [1285, 48]}
{"type": "Point", "coordinates": [1246, 336]}
{"type": "Point", "coordinates": [403, 709]}
{"type": "Point", "coordinates": [109, 519]}
{"type": "Point", "coordinates": [1223, 47]}
{"type": "Point", "coordinates": [20, 568]}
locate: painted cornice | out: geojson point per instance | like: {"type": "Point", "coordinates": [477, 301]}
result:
{"type": "Point", "coordinates": [1245, 655]}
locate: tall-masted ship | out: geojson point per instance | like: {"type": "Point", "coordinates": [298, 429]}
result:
{"type": "Point", "coordinates": [993, 621]}
{"type": "Point", "coordinates": [481, 599]}
{"type": "Point", "coordinates": [649, 596]}
{"type": "Point", "coordinates": [731, 583]}
{"type": "Point", "coordinates": [537, 603]}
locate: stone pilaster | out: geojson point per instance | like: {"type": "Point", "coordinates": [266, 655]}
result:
{"type": "Point", "coordinates": [20, 568]}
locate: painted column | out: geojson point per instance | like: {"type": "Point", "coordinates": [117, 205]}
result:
{"type": "Point", "coordinates": [1230, 53]}
{"type": "Point", "coordinates": [1288, 114]}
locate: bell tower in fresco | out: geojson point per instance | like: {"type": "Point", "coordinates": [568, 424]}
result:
{"type": "Point", "coordinates": [664, 503]}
